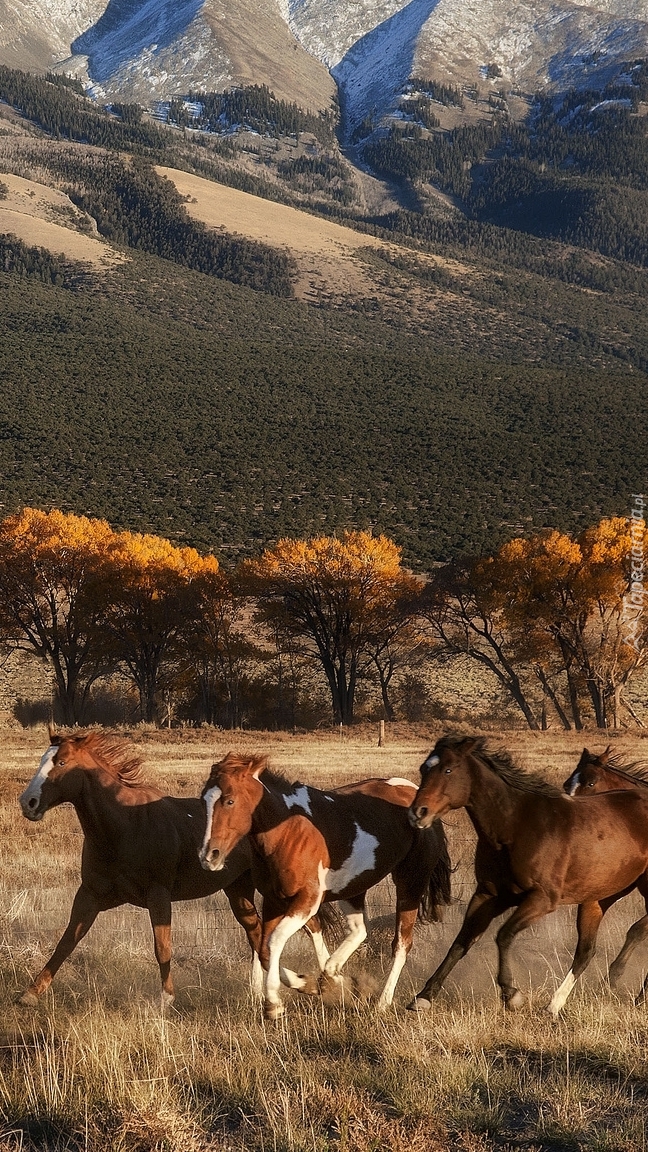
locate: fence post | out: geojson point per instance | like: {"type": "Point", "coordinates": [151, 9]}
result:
{"type": "Point", "coordinates": [381, 737]}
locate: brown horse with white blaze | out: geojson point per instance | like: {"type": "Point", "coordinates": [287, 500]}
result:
{"type": "Point", "coordinates": [607, 772]}
{"type": "Point", "coordinates": [140, 847]}
{"type": "Point", "coordinates": [313, 846]}
{"type": "Point", "coordinates": [536, 849]}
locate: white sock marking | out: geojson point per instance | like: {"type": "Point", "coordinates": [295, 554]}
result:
{"type": "Point", "coordinates": [356, 934]}
{"type": "Point", "coordinates": [387, 994]}
{"type": "Point", "coordinates": [561, 994]}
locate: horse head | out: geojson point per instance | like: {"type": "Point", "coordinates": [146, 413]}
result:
{"type": "Point", "coordinates": [45, 790]}
{"type": "Point", "coordinates": [590, 774]}
{"type": "Point", "coordinates": [231, 795]}
{"type": "Point", "coordinates": [445, 781]}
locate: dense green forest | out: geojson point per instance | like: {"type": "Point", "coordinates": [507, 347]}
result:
{"type": "Point", "coordinates": [174, 396]}
{"type": "Point", "coordinates": [557, 175]}
{"type": "Point", "coordinates": [254, 107]}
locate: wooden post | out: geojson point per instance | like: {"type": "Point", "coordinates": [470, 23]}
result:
{"type": "Point", "coordinates": [381, 737]}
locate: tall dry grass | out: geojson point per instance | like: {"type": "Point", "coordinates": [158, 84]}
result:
{"type": "Point", "coordinates": [96, 1067]}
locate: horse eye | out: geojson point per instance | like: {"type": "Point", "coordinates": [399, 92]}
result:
{"type": "Point", "coordinates": [590, 784]}
{"type": "Point", "coordinates": [228, 802]}
{"type": "Point", "coordinates": [61, 763]}
{"type": "Point", "coordinates": [448, 771]}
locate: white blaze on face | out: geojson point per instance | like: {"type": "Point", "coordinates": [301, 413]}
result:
{"type": "Point", "coordinates": [30, 798]}
{"type": "Point", "coordinates": [362, 859]}
{"type": "Point", "coordinates": [210, 798]}
{"type": "Point", "coordinates": [574, 784]}
{"type": "Point", "coordinates": [431, 761]}
{"type": "Point", "coordinates": [299, 799]}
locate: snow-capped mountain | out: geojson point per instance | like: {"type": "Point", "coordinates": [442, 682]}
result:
{"type": "Point", "coordinates": [148, 49]}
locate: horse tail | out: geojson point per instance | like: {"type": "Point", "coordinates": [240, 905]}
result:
{"type": "Point", "coordinates": [332, 921]}
{"type": "Point", "coordinates": [437, 892]}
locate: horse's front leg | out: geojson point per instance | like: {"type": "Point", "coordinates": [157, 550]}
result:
{"type": "Point", "coordinates": [159, 908]}
{"type": "Point", "coordinates": [589, 918]}
{"type": "Point", "coordinates": [482, 909]}
{"type": "Point", "coordinates": [241, 900]}
{"type": "Point", "coordinates": [353, 910]}
{"type": "Point", "coordinates": [278, 927]}
{"type": "Point", "coordinates": [532, 907]}
{"type": "Point", "coordinates": [84, 912]}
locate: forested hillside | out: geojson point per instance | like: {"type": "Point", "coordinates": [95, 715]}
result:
{"type": "Point", "coordinates": [456, 406]}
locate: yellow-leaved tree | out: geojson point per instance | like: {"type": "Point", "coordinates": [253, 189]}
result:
{"type": "Point", "coordinates": [568, 596]}
{"type": "Point", "coordinates": [54, 590]}
{"type": "Point", "coordinates": [336, 595]}
{"type": "Point", "coordinates": [149, 608]}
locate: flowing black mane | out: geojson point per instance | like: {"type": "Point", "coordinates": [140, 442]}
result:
{"type": "Point", "coordinates": [501, 764]}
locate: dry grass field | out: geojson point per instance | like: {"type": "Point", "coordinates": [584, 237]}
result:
{"type": "Point", "coordinates": [96, 1067]}
{"type": "Point", "coordinates": [43, 217]}
{"type": "Point", "coordinates": [330, 258]}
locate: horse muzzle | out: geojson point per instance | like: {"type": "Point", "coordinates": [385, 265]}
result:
{"type": "Point", "coordinates": [212, 860]}
{"type": "Point", "coordinates": [420, 816]}
{"type": "Point", "coordinates": [31, 807]}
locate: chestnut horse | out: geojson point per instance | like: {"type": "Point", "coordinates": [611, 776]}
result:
{"type": "Point", "coordinates": [312, 846]}
{"type": "Point", "coordinates": [140, 848]}
{"type": "Point", "coordinates": [608, 773]}
{"type": "Point", "coordinates": [536, 849]}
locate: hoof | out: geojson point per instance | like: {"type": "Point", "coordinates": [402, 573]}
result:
{"type": "Point", "coordinates": [273, 1011]}
{"type": "Point", "coordinates": [515, 1002]}
{"type": "Point", "coordinates": [166, 1000]}
{"type": "Point", "coordinates": [419, 1004]}
{"type": "Point", "coordinates": [309, 985]}
{"type": "Point", "coordinates": [28, 999]}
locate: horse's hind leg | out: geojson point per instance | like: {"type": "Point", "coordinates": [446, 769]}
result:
{"type": "Point", "coordinates": [589, 918]}
{"type": "Point", "coordinates": [482, 909]}
{"type": "Point", "coordinates": [634, 936]}
{"type": "Point", "coordinates": [533, 906]}
{"type": "Point", "coordinates": [84, 912]}
{"type": "Point", "coordinates": [159, 908]}
{"type": "Point", "coordinates": [401, 945]}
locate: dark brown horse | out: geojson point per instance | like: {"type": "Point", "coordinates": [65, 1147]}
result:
{"type": "Point", "coordinates": [313, 846]}
{"type": "Point", "coordinates": [536, 849]}
{"type": "Point", "coordinates": [607, 772]}
{"type": "Point", "coordinates": [140, 847]}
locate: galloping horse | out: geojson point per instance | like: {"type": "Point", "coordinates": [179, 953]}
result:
{"type": "Point", "coordinates": [536, 849]}
{"type": "Point", "coordinates": [313, 846]}
{"type": "Point", "coordinates": [608, 773]}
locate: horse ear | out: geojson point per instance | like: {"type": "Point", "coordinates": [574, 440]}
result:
{"type": "Point", "coordinates": [53, 737]}
{"type": "Point", "coordinates": [258, 765]}
{"type": "Point", "coordinates": [606, 755]}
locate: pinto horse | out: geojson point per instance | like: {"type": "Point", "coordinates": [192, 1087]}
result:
{"type": "Point", "coordinates": [140, 848]}
{"type": "Point", "coordinates": [312, 846]}
{"type": "Point", "coordinates": [608, 773]}
{"type": "Point", "coordinates": [536, 849]}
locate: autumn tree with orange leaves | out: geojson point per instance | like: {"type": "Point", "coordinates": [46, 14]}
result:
{"type": "Point", "coordinates": [150, 606]}
{"type": "Point", "coordinates": [337, 596]}
{"type": "Point", "coordinates": [54, 592]}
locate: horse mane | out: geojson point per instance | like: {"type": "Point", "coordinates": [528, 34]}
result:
{"type": "Point", "coordinates": [635, 770]}
{"type": "Point", "coordinates": [236, 761]}
{"type": "Point", "coordinates": [501, 764]}
{"type": "Point", "coordinates": [116, 757]}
